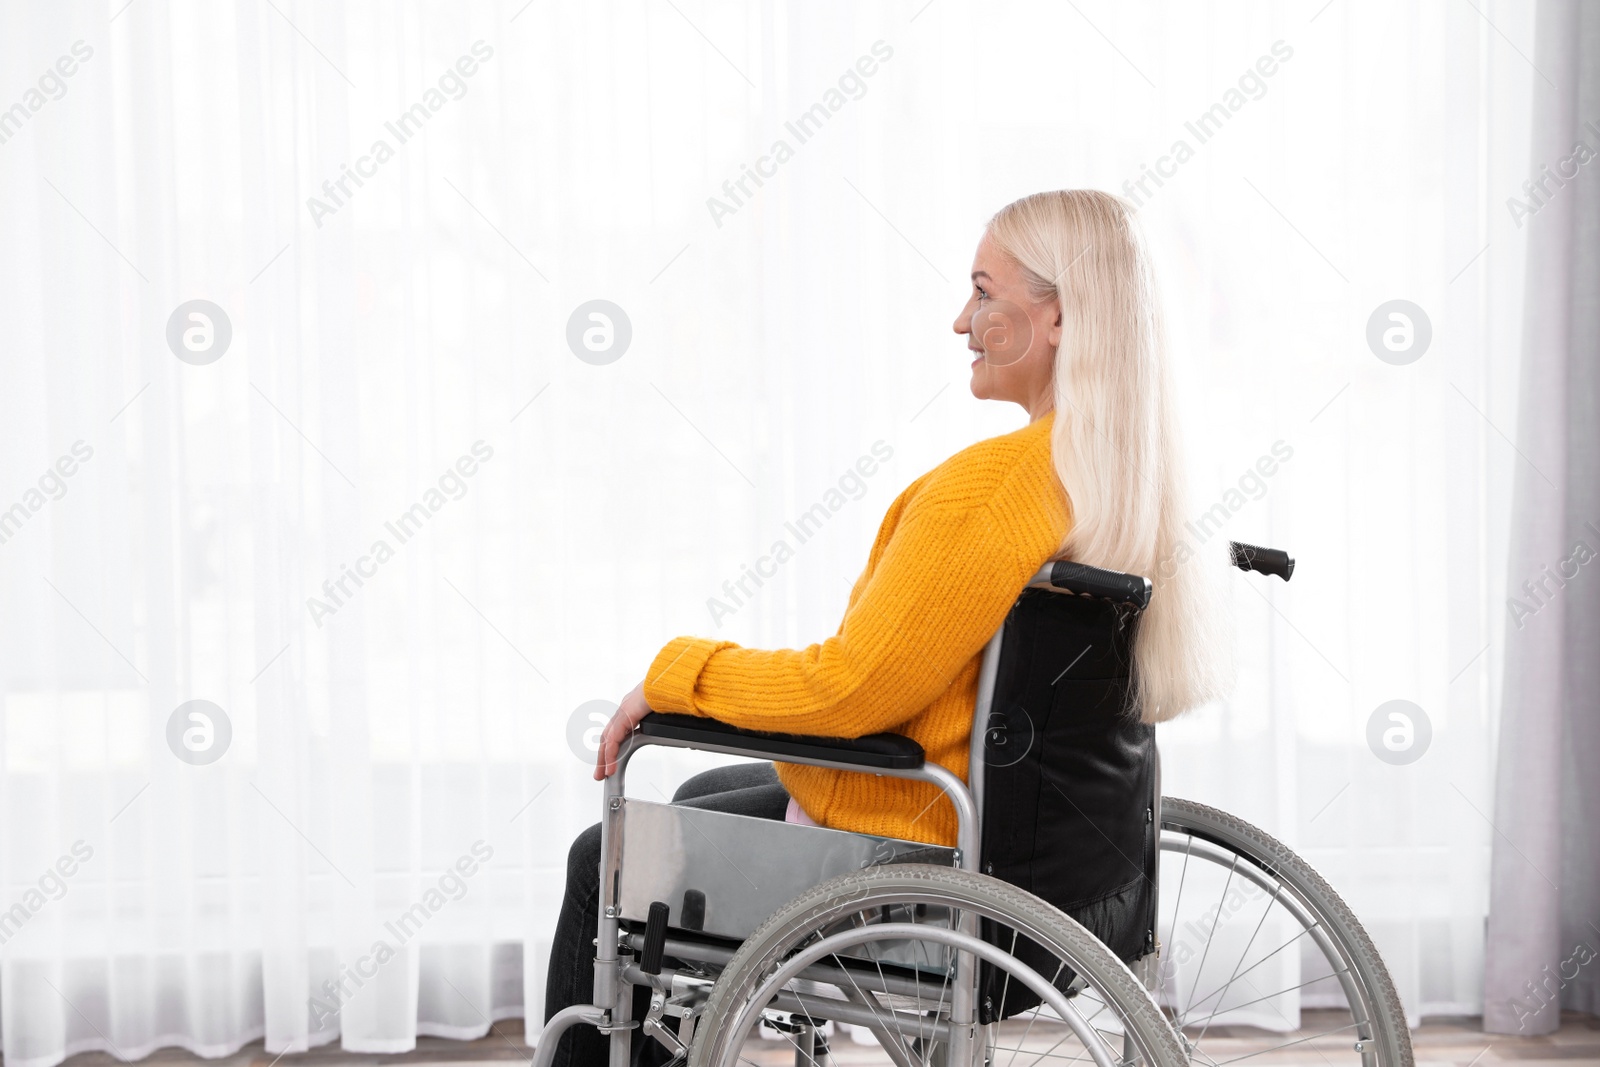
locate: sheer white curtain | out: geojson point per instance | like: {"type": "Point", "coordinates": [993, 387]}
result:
{"type": "Point", "coordinates": [398, 533]}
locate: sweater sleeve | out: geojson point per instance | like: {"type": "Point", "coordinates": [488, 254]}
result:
{"type": "Point", "coordinates": [944, 584]}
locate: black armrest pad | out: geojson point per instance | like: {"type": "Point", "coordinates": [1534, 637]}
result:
{"type": "Point", "coordinates": [885, 751]}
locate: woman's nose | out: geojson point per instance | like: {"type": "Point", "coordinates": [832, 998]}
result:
{"type": "Point", "coordinates": [963, 323]}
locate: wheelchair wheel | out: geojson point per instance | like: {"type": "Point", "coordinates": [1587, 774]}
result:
{"type": "Point", "coordinates": [1252, 935]}
{"type": "Point", "coordinates": [878, 948]}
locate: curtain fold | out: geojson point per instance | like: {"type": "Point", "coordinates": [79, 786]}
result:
{"type": "Point", "coordinates": [1543, 950]}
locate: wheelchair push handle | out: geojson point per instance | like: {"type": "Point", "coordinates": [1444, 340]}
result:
{"type": "Point", "coordinates": [1262, 560]}
{"type": "Point", "coordinates": [1135, 590]}
{"type": "Point", "coordinates": [1096, 581]}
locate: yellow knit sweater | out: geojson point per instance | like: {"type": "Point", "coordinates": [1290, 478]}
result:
{"type": "Point", "coordinates": [953, 553]}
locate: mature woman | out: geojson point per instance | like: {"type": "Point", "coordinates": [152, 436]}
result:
{"type": "Point", "coordinates": [1062, 320]}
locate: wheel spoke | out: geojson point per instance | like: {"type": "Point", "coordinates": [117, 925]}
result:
{"type": "Point", "coordinates": [1024, 1039]}
{"type": "Point", "coordinates": [1274, 1048]}
{"type": "Point", "coordinates": [1047, 1053]}
{"type": "Point", "coordinates": [1259, 923]}
{"type": "Point", "coordinates": [1285, 1018]}
{"type": "Point", "coordinates": [1177, 905]}
{"type": "Point", "coordinates": [884, 982]}
{"type": "Point", "coordinates": [793, 1041]}
{"type": "Point", "coordinates": [1058, 1042]}
{"type": "Point", "coordinates": [1034, 1017]}
{"type": "Point", "coordinates": [1209, 938]}
{"type": "Point", "coordinates": [1005, 987]}
{"type": "Point", "coordinates": [1304, 930]}
{"type": "Point", "coordinates": [1265, 997]}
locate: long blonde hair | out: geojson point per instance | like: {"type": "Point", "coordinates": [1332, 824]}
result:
{"type": "Point", "coordinates": [1116, 442]}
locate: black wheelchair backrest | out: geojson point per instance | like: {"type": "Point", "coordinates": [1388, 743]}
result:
{"type": "Point", "coordinates": [1069, 782]}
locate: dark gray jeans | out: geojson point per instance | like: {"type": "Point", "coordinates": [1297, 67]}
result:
{"type": "Point", "coordinates": [744, 789]}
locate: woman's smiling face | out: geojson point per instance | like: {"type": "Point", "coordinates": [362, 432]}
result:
{"type": "Point", "coordinates": [1013, 338]}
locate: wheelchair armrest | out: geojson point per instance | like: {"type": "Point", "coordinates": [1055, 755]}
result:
{"type": "Point", "coordinates": [875, 751]}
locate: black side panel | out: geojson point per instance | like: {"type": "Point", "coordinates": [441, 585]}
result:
{"type": "Point", "coordinates": [1070, 776]}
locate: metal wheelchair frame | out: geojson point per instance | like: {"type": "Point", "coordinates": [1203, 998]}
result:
{"type": "Point", "coordinates": [615, 975]}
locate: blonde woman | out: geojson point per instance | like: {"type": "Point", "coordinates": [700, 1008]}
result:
{"type": "Point", "coordinates": [1061, 320]}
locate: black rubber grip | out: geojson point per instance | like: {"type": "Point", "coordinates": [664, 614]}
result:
{"type": "Point", "coordinates": [692, 916]}
{"type": "Point", "coordinates": [655, 938]}
{"type": "Point", "coordinates": [878, 751]}
{"type": "Point", "coordinates": [1113, 585]}
{"type": "Point", "coordinates": [1262, 560]}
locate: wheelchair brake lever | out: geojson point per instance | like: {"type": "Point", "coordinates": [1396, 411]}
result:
{"type": "Point", "coordinates": [655, 938]}
{"type": "Point", "coordinates": [654, 1027]}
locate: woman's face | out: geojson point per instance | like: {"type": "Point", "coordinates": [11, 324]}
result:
{"type": "Point", "coordinates": [1013, 339]}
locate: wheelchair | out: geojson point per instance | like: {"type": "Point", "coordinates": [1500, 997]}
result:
{"type": "Point", "coordinates": [1041, 935]}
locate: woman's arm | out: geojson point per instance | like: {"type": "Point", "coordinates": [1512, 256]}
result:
{"type": "Point", "coordinates": [943, 586]}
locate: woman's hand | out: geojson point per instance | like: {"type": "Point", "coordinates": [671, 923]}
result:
{"type": "Point", "coordinates": [632, 709]}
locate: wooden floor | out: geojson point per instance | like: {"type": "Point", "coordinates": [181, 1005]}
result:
{"type": "Point", "coordinates": [1439, 1043]}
